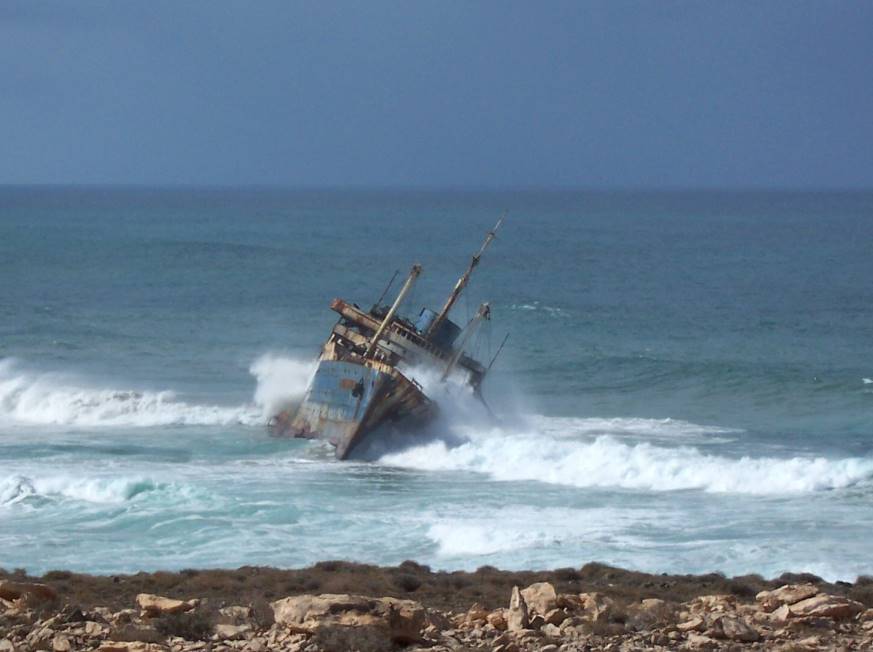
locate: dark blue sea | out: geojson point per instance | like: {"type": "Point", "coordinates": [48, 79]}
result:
{"type": "Point", "coordinates": [687, 385]}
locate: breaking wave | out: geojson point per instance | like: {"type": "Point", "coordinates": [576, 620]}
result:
{"type": "Point", "coordinates": [36, 398]}
{"type": "Point", "coordinates": [281, 381]}
{"type": "Point", "coordinates": [91, 490]}
{"type": "Point", "coordinates": [604, 460]}
{"type": "Point", "coordinates": [47, 398]}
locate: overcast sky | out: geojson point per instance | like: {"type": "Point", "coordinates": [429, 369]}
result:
{"type": "Point", "coordinates": [592, 94]}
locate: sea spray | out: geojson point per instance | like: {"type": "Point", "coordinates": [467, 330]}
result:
{"type": "Point", "coordinates": [281, 381]}
{"type": "Point", "coordinates": [50, 398]}
{"type": "Point", "coordinates": [605, 461]}
{"type": "Point", "coordinates": [87, 489]}
{"type": "Point", "coordinates": [30, 397]}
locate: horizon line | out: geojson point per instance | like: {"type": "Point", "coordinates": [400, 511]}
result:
{"type": "Point", "coordinates": [436, 188]}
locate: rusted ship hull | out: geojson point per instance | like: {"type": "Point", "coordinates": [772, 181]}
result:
{"type": "Point", "coordinates": [346, 400]}
{"type": "Point", "coordinates": [359, 388]}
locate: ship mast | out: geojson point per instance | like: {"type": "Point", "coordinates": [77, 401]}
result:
{"type": "Point", "coordinates": [462, 282]}
{"type": "Point", "coordinates": [483, 313]}
{"type": "Point", "coordinates": [410, 280]}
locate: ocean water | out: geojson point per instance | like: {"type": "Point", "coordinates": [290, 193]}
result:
{"type": "Point", "coordinates": [687, 387]}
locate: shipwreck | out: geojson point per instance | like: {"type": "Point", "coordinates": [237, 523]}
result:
{"type": "Point", "coordinates": [362, 384]}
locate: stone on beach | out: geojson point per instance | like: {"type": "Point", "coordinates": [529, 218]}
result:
{"type": "Point", "coordinates": [517, 617]}
{"type": "Point", "coordinates": [224, 632]}
{"type": "Point", "coordinates": [786, 594]}
{"type": "Point", "coordinates": [156, 605]}
{"type": "Point", "coordinates": [736, 629]}
{"type": "Point", "coordinates": [497, 619]}
{"type": "Point", "coordinates": [61, 643]}
{"type": "Point", "coordinates": [596, 605]}
{"type": "Point", "coordinates": [696, 624]}
{"type": "Point", "coordinates": [826, 606]}
{"type": "Point", "coordinates": [605, 621]}
{"type": "Point", "coordinates": [540, 598]}
{"type": "Point", "coordinates": [343, 621]}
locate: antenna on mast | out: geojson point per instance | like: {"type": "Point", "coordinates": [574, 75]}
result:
{"type": "Point", "coordinates": [385, 291]}
{"type": "Point", "coordinates": [462, 282]}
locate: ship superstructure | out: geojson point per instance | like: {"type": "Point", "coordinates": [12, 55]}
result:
{"type": "Point", "coordinates": [359, 386]}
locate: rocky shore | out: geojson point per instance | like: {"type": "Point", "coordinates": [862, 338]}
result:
{"type": "Point", "coordinates": [338, 606]}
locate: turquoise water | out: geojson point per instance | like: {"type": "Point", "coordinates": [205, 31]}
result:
{"type": "Point", "coordinates": [688, 384]}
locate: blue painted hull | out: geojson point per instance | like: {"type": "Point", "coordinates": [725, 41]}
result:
{"type": "Point", "coordinates": [346, 400]}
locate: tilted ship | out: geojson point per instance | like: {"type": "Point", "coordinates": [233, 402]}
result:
{"type": "Point", "coordinates": [361, 383]}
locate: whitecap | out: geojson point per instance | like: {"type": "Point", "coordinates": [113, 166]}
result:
{"type": "Point", "coordinates": [606, 461]}
{"type": "Point", "coordinates": [46, 398]}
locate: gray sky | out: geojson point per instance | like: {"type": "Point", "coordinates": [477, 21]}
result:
{"type": "Point", "coordinates": [616, 94]}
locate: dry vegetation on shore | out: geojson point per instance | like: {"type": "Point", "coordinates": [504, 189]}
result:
{"type": "Point", "coordinates": [345, 606]}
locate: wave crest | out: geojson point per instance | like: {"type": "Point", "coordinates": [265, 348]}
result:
{"type": "Point", "coordinates": [91, 490]}
{"type": "Point", "coordinates": [606, 461]}
{"type": "Point", "coordinates": [45, 398]}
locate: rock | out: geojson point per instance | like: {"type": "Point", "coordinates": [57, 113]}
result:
{"type": "Point", "coordinates": [551, 631]}
{"type": "Point", "coordinates": [811, 642]}
{"type": "Point", "coordinates": [156, 605]}
{"type": "Point", "coordinates": [61, 644]}
{"type": "Point", "coordinates": [696, 624]}
{"type": "Point", "coordinates": [653, 604]}
{"type": "Point", "coordinates": [700, 642]}
{"type": "Point", "coordinates": [555, 616]}
{"type": "Point", "coordinates": [866, 616]}
{"type": "Point", "coordinates": [10, 590]}
{"type": "Point", "coordinates": [236, 615]}
{"type": "Point", "coordinates": [517, 615]}
{"type": "Point", "coordinates": [497, 619]}
{"type": "Point", "coordinates": [648, 613]}
{"type": "Point", "coordinates": [569, 601]}
{"type": "Point", "coordinates": [476, 613]}
{"type": "Point", "coordinates": [782, 614]}
{"type": "Point", "coordinates": [596, 605]}
{"type": "Point", "coordinates": [6, 645]}
{"type": "Point", "coordinates": [439, 621]}
{"type": "Point", "coordinates": [93, 629]}
{"type": "Point", "coordinates": [826, 606]}
{"type": "Point", "coordinates": [787, 594]}
{"type": "Point", "coordinates": [505, 647]}
{"type": "Point", "coordinates": [540, 598]}
{"type": "Point", "coordinates": [713, 603]}
{"type": "Point", "coordinates": [123, 646]}
{"type": "Point", "coordinates": [136, 633]}
{"type": "Point", "coordinates": [352, 621]}
{"type": "Point", "coordinates": [224, 632]}
{"type": "Point", "coordinates": [40, 638]}
{"type": "Point", "coordinates": [737, 629]}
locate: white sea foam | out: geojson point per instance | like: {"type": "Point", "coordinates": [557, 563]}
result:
{"type": "Point", "coordinates": [86, 489]}
{"type": "Point", "coordinates": [281, 381]}
{"type": "Point", "coordinates": [867, 381]}
{"type": "Point", "coordinates": [515, 528]}
{"type": "Point", "coordinates": [40, 398]}
{"type": "Point", "coordinates": [604, 460]}
{"type": "Point", "coordinates": [47, 398]}
{"type": "Point", "coordinates": [536, 305]}
{"type": "Point", "coordinates": [668, 430]}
